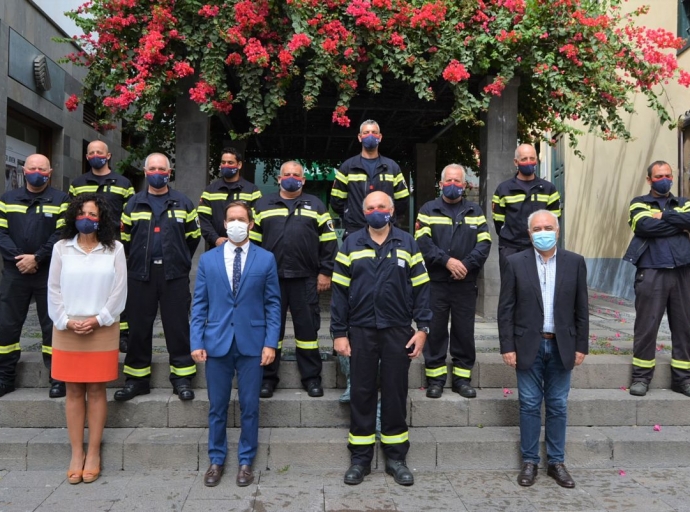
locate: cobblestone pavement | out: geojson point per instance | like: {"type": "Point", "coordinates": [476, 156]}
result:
{"type": "Point", "coordinates": [644, 490]}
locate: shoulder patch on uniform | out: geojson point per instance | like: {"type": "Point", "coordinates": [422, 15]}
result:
{"type": "Point", "coordinates": [329, 225]}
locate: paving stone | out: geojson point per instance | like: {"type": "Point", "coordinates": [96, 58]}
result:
{"type": "Point", "coordinates": [451, 410]}
{"type": "Point", "coordinates": [343, 497]}
{"type": "Point", "coordinates": [289, 500]}
{"type": "Point", "coordinates": [484, 485]}
{"type": "Point", "coordinates": [587, 447]}
{"type": "Point", "coordinates": [308, 448]}
{"type": "Point", "coordinates": [193, 413]}
{"type": "Point", "coordinates": [601, 407]}
{"type": "Point", "coordinates": [31, 407]}
{"type": "Point", "coordinates": [494, 373]}
{"type": "Point", "coordinates": [204, 505]}
{"type": "Point", "coordinates": [70, 505]}
{"type": "Point", "coordinates": [476, 448]}
{"type": "Point", "coordinates": [22, 498]}
{"type": "Point", "coordinates": [260, 461]}
{"type": "Point", "coordinates": [493, 407]}
{"type": "Point", "coordinates": [602, 371]}
{"type": "Point", "coordinates": [281, 410]}
{"type": "Point", "coordinates": [498, 505]}
{"type": "Point", "coordinates": [640, 447]}
{"type": "Point", "coordinates": [150, 448]}
{"type": "Point", "coordinates": [14, 447]}
{"type": "Point", "coordinates": [325, 411]}
{"type": "Point", "coordinates": [663, 407]}
{"type": "Point", "coordinates": [431, 492]}
{"type": "Point", "coordinates": [146, 411]}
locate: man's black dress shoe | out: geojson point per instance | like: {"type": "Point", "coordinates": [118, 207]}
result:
{"type": "Point", "coordinates": [131, 390]}
{"type": "Point", "coordinates": [5, 388]}
{"type": "Point", "coordinates": [266, 390]}
{"type": "Point", "coordinates": [560, 475]}
{"type": "Point", "coordinates": [683, 389]}
{"type": "Point", "coordinates": [399, 471]}
{"type": "Point", "coordinates": [245, 475]}
{"type": "Point", "coordinates": [465, 390]}
{"type": "Point", "coordinates": [184, 391]}
{"type": "Point", "coordinates": [356, 473]}
{"type": "Point", "coordinates": [528, 474]}
{"type": "Point", "coordinates": [124, 343]}
{"type": "Point", "coordinates": [434, 391]}
{"type": "Point", "coordinates": [57, 390]}
{"type": "Point", "coordinates": [314, 389]}
{"type": "Point", "coordinates": [213, 475]}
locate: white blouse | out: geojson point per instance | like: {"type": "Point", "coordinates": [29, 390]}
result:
{"type": "Point", "coordinates": [84, 284]}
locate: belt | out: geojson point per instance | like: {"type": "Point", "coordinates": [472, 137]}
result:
{"type": "Point", "coordinates": [548, 335]}
{"type": "Point", "coordinates": [158, 261]}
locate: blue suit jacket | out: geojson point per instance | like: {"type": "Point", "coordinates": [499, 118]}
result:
{"type": "Point", "coordinates": [252, 318]}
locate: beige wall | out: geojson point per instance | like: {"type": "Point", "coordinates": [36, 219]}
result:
{"type": "Point", "coordinates": [599, 189]}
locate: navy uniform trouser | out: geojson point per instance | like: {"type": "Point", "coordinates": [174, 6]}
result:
{"type": "Point", "coordinates": [457, 299]}
{"type": "Point", "coordinates": [370, 346]}
{"type": "Point", "coordinates": [658, 291]}
{"type": "Point", "coordinates": [16, 292]}
{"type": "Point", "coordinates": [300, 296]}
{"type": "Point", "coordinates": [143, 298]}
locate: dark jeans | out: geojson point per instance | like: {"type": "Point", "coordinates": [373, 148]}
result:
{"type": "Point", "coordinates": [547, 380]}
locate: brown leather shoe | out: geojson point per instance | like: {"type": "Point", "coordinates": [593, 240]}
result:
{"type": "Point", "coordinates": [528, 474]}
{"type": "Point", "coordinates": [213, 475]}
{"type": "Point", "coordinates": [560, 475]}
{"type": "Point", "coordinates": [245, 475]}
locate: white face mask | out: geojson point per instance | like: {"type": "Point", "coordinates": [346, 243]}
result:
{"type": "Point", "coordinates": [237, 231]}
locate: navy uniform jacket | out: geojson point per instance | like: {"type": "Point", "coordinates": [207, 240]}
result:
{"type": "Point", "coordinates": [657, 240]}
{"type": "Point", "coordinates": [352, 184]}
{"type": "Point", "coordinates": [114, 187]}
{"type": "Point", "coordinates": [179, 230]}
{"type": "Point", "coordinates": [441, 237]}
{"type": "Point", "coordinates": [379, 286]}
{"type": "Point", "coordinates": [31, 223]}
{"type": "Point", "coordinates": [213, 201]}
{"type": "Point", "coordinates": [512, 206]}
{"type": "Point", "coordinates": [301, 238]}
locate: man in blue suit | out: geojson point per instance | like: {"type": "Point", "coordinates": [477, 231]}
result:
{"type": "Point", "coordinates": [235, 327]}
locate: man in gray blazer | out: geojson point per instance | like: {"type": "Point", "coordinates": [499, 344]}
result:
{"type": "Point", "coordinates": [543, 327]}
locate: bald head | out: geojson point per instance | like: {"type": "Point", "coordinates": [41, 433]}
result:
{"type": "Point", "coordinates": [378, 201]}
{"type": "Point", "coordinates": [37, 162]}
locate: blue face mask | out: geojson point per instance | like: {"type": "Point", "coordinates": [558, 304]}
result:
{"type": "Point", "coordinates": [370, 142]}
{"type": "Point", "coordinates": [228, 171]}
{"type": "Point", "coordinates": [527, 169]}
{"type": "Point", "coordinates": [452, 191]}
{"type": "Point", "coordinates": [158, 180]}
{"type": "Point", "coordinates": [86, 225]}
{"type": "Point", "coordinates": [97, 162]}
{"type": "Point", "coordinates": [36, 179]}
{"type": "Point", "coordinates": [291, 184]}
{"type": "Point", "coordinates": [378, 218]}
{"type": "Point", "coordinates": [544, 240]}
{"type": "Point", "coordinates": [662, 186]}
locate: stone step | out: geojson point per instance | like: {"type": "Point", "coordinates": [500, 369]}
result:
{"type": "Point", "coordinates": [597, 372]}
{"type": "Point", "coordinates": [280, 449]}
{"type": "Point", "coordinates": [291, 408]}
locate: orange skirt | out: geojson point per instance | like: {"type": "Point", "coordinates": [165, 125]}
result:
{"type": "Point", "coordinates": [89, 358]}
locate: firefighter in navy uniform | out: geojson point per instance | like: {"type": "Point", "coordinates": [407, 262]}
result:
{"type": "Point", "coordinates": [115, 188]}
{"type": "Point", "coordinates": [365, 173]}
{"type": "Point", "coordinates": [160, 234]}
{"type": "Point", "coordinates": [380, 285]}
{"type": "Point", "coordinates": [516, 199]}
{"type": "Point", "coordinates": [660, 250]}
{"type": "Point", "coordinates": [298, 230]}
{"type": "Point", "coordinates": [454, 238]}
{"type": "Point", "coordinates": [30, 222]}
{"type": "Point", "coordinates": [226, 189]}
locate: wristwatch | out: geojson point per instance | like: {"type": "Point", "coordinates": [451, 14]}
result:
{"type": "Point", "coordinates": [425, 330]}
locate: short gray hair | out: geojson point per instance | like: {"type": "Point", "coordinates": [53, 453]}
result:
{"type": "Point", "coordinates": [146, 162]}
{"type": "Point", "coordinates": [294, 163]}
{"type": "Point", "coordinates": [452, 166]}
{"type": "Point", "coordinates": [540, 212]}
{"type": "Point", "coordinates": [369, 121]}
{"type": "Point", "coordinates": [390, 199]}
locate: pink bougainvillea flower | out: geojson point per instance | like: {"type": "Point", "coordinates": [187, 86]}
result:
{"type": "Point", "coordinates": [657, 428]}
{"type": "Point", "coordinates": [621, 472]}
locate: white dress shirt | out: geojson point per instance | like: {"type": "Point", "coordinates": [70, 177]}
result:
{"type": "Point", "coordinates": [82, 285]}
{"type": "Point", "coordinates": [229, 257]}
{"type": "Point", "coordinates": [547, 282]}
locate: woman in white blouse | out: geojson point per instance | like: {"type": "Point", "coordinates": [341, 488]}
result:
{"type": "Point", "coordinates": [87, 291]}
